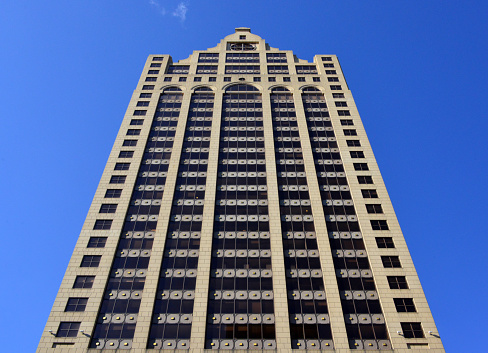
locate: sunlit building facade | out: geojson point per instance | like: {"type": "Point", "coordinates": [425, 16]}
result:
{"type": "Point", "coordinates": [241, 208]}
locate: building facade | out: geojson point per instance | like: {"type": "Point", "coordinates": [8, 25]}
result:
{"type": "Point", "coordinates": [241, 207]}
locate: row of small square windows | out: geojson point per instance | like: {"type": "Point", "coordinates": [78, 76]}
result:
{"type": "Point", "coordinates": [229, 79]}
{"type": "Point", "coordinates": [256, 79]}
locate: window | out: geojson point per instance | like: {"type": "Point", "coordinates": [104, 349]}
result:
{"type": "Point", "coordinates": [397, 282]}
{"type": "Point", "coordinates": [335, 87]}
{"type": "Point", "coordinates": [145, 95]}
{"type": "Point", "coordinates": [344, 113]}
{"type": "Point", "coordinates": [332, 79]}
{"type": "Point", "coordinates": [278, 69]}
{"type": "Point", "coordinates": [151, 79]}
{"type": "Point", "coordinates": [286, 79]}
{"type": "Point", "coordinates": [391, 262]}
{"type": "Point", "coordinates": [341, 104]}
{"type": "Point", "coordinates": [142, 104]}
{"type": "Point", "coordinates": [346, 122]}
{"type": "Point", "coordinates": [122, 166]}
{"type": "Point", "coordinates": [155, 65]}
{"type": "Point", "coordinates": [137, 122]}
{"type": "Point", "coordinates": [357, 154]}
{"type": "Point", "coordinates": [337, 95]}
{"type": "Point", "coordinates": [153, 72]}
{"type": "Point", "coordinates": [369, 193]}
{"type": "Point", "coordinates": [328, 65]}
{"type": "Point", "coordinates": [68, 329]}
{"type": "Point", "coordinates": [257, 79]}
{"type": "Point", "coordinates": [365, 179]}
{"type": "Point", "coordinates": [412, 330]}
{"type": "Point", "coordinates": [168, 79]}
{"type": "Point", "coordinates": [379, 224]}
{"type": "Point", "coordinates": [353, 143]}
{"type": "Point", "coordinates": [84, 282]}
{"type": "Point", "coordinates": [361, 166]}
{"type": "Point", "coordinates": [374, 208]}
{"type": "Point", "coordinates": [113, 193]}
{"type": "Point", "coordinates": [276, 57]}
{"type": "Point", "coordinates": [212, 79]}
{"type": "Point", "coordinates": [226, 79]}
{"type": "Point", "coordinates": [242, 69]}
{"type": "Point", "coordinates": [350, 133]}
{"type": "Point", "coordinates": [242, 37]}
{"type": "Point", "coordinates": [158, 58]}
{"type": "Point", "coordinates": [207, 69]}
{"type": "Point", "coordinates": [197, 79]}
{"type": "Point", "coordinates": [178, 69]}
{"type": "Point", "coordinates": [97, 242]}
{"type": "Point", "coordinates": [140, 112]}
{"type": "Point", "coordinates": [306, 69]}
{"type": "Point", "coordinates": [126, 154]}
{"type": "Point", "coordinates": [102, 224]}
{"type": "Point", "coordinates": [331, 72]}
{"type": "Point", "coordinates": [148, 87]}
{"type": "Point", "coordinates": [208, 58]}
{"type": "Point", "coordinates": [326, 58]}
{"type": "Point", "coordinates": [76, 304]}
{"type": "Point", "coordinates": [385, 242]}
{"type": "Point", "coordinates": [301, 79]}
{"type": "Point", "coordinates": [129, 143]}
{"type": "Point", "coordinates": [90, 261]}
{"type": "Point", "coordinates": [108, 208]}
{"type": "Point", "coordinates": [271, 79]}
{"type": "Point", "coordinates": [404, 305]}
{"type": "Point", "coordinates": [182, 79]}
{"type": "Point", "coordinates": [316, 79]}
{"type": "Point", "coordinates": [133, 132]}
{"type": "Point", "coordinates": [117, 179]}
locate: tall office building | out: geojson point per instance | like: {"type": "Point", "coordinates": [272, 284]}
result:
{"type": "Point", "coordinates": [241, 207]}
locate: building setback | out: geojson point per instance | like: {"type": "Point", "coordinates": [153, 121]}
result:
{"type": "Point", "coordinates": [241, 207]}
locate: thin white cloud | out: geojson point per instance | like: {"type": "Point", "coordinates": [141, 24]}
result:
{"type": "Point", "coordinates": [181, 11]}
{"type": "Point", "coordinates": [158, 6]}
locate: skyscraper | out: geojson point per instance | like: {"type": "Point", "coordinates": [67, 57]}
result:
{"type": "Point", "coordinates": [241, 207]}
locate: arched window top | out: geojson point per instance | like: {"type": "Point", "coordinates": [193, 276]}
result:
{"type": "Point", "coordinates": [203, 89]}
{"type": "Point", "coordinates": [172, 89]}
{"type": "Point", "coordinates": [311, 89]}
{"type": "Point", "coordinates": [280, 89]}
{"type": "Point", "coordinates": [241, 88]}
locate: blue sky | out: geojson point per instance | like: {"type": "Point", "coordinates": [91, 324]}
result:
{"type": "Point", "coordinates": [417, 70]}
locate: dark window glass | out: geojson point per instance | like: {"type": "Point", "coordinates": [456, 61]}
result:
{"type": "Point", "coordinates": [117, 179]}
{"type": "Point", "coordinates": [397, 282]}
{"type": "Point", "coordinates": [178, 69]}
{"type": "Point", "coordinates": [353, 143]}
{"type": "Point", "coordinates": [412, 330]}
{"type": "Point", "coordinates": [212, 79]}
{"type": "Point", "coordinates": [357, 154]}
{"type": "Point", "coordinates": [301, 79]}
{"type": "Point", "coordinates": [137, 122]}
{"type": "Point", "coordinates": [145, 95]}
{"type": "Point", "coordinates": [326, 58]}
{"type": "Point", "coordinates": [151, 79]}
{"type": "Point", "coordinates": [208, 58]}
{"type": "Point", "coordinates": [140, 112]}
{"type": "Point", "coordinates": [129, 143]}
{"type": "Point", "coordinates": [155, 65]}
{"type": "Point", "coordinates": [369, 193]}
{"type": "Point", "coordinates": [306, 69]}
{"type": "Point", "coordinates": [374, 208]}
{"type": "Point", "coordinates": [328, 65]}
{"type": "Point", "coordinates": [341, 104]}
{"type": "Point", "coordinates": [350, 132]}
{"type": "Point", "coordinates": [90, 261]}
{"type": "Point", "coordinates": [226, 79]}
{"type": "Point", "coordinates": [122, 166]}
{"type": "Point", "coordinates": [404, 305]}
{"type": "Point", "coordinates": [168, 79]}
{"type": "Point", "coordinates": [97, 242]}
{"type": "Point", "coordinates": [286, 79]}
{"type": "Point", "coordinates": [133, 132]}
{"type": "Point", "coordinates": [197, 79]}
{"type": "Point", "coordinates": [361, 166]}
{"type": "Point", "coordinates": [257, 79]}
{"type": "Point", "coordinates": [84, 282]}
{"type": "Point", "coordinates": [153, 72]}
{"type": "Point", "coordinates": [182, 79]}
{"type": "Point", "coordinates": [335, 87]}
{"type": "Point", "coordinates": [102, 224]}
{"type": "Point", "coordinates": [384, 242]}
{"type": "Point", "coordinates": [148, 87]}
{"type": "Point", "coordinates": [331, 72]}
{"type": "Point", "coordinates": [68, 329]}
{"type": "Point", "coordinates": [272, 79]}
{"type": "Point", "coordinates": [113, 193]}
{"type": "Point", "coordinates": [333, 79]}
{"type": "Point", "coordinates": [158, 58]}
{"type": "Point", "coordinates": [76, 304]}
{"type": "Point", "coordinates": [379, 224]}
{"type": "Point", "coordinates": [346, 122]}
{"type": "Point", "coordinates": [143, 104]}
{"type": "Point", "coordinates": [316, 79]}
{"type": "Point", "coordinates": [391, 262]}
{"type": "Point", "coordinates": [108, 208]}
{"type": "Point", "coordinates": [344, 113]}
{"type": "Point", "coordinates": [365, 179]}
{"type": "Point", "coordinates": [126, 154]}
{"type": "Point", "coordinates": [207, 69]}
{"type": "Point", "coordinates": [337, 95]}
